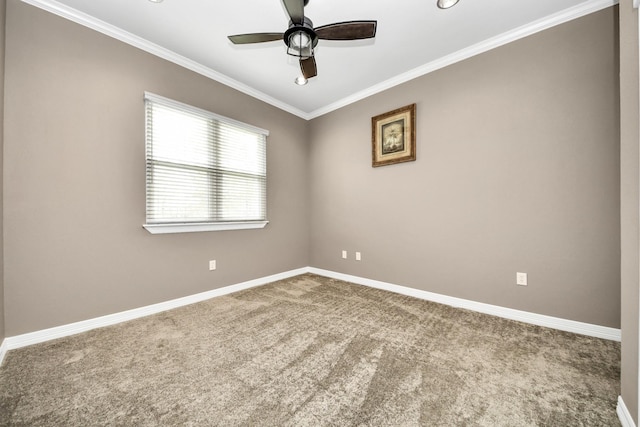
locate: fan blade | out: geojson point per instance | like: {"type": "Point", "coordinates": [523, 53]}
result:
{"type": "Point", "coordinates": [255, 38]}
{"type": "Point", "coordinates": [295, 9]}
{"type": "Point", "coordinates": [352, 30]}
{"type": "Point", "coordinates": [308, 67]}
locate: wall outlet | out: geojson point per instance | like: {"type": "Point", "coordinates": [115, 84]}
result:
{"type": "Point", "coordinates": [344, 254]}
{"type": "Point", "coordinates": [358, 256]}
{"type": "Point", "coordinates": [521, 279]}
{"type": "Point", "coordinates": [212, 264]}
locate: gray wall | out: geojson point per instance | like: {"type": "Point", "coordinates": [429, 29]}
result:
{"type": "Point", "coordinates": [75, 180]}
{"type": "Point", "coordinates": [3, 7]}
{"type": "Point", "coordinates": [630, 199]}
{"type": "Point", "coordinates": [517, 170]}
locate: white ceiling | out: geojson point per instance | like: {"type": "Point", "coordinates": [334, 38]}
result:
{"type": "Point", "coordinates": [413, 38]}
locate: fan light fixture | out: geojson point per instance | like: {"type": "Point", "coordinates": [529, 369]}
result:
{"type": "Point", "coordinates": [446, 4]}
{"type": "Point", "coordinates": [301, 81]}
{"type": "Point", "coordinates": [300, 39]}
{"type": "Point", "coordinates": [300, 45]}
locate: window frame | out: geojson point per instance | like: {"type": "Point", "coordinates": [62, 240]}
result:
{"type": "Point", "coordinates": [186, 227]}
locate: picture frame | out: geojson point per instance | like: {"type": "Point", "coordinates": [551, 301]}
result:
{"type": "Point", "coordinates": [393, 136]}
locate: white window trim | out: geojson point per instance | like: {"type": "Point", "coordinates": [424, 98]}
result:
{"type": "Point", "coordinates": [171, 228]}
{"type": "Point", "coordinates": [205, 226]}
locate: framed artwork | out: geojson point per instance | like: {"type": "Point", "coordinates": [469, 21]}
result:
{"type": "Point", "coordinates": [393, 136]}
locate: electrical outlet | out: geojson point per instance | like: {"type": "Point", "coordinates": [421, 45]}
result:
{"type": "Point", "coordinates": [212, 264]}
{"type": "Point", "coordinates": [358, 256]}
{"type": "Point", "coordinates": [344, 254]}
{"type": "Point", "coordinates": [521, 279]}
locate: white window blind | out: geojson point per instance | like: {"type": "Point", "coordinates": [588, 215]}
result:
{"type": "Point", "coordinates": [202, 169]}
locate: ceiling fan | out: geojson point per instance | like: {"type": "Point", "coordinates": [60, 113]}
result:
{"type": "Point", "coordinates": [301, 37]}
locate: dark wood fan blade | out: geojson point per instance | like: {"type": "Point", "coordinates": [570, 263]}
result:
{"type": "Point", "coordinates": [295, 9]}
{"type": "Point", "coordinates": [255, 38]}
{"type": "Point", "coordinates": [308, 67]}
{"type": "Point", "coordinates": [352, 30]}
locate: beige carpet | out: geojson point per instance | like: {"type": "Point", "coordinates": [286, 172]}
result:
{"type": "Point", "coordinates": [312, 351]}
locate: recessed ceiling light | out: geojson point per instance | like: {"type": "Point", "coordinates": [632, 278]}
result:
{"type": "Point", "coordinates": [301, 81]}
{"type": "Point", "coordinates": [446, 4]}
{"type": "Point", "coordinates": [156, 1]}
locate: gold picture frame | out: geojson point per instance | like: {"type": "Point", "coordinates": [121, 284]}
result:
{"type": "Point", "coordinates": [393, 137]}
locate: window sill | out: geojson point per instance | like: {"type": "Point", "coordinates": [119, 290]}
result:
{"type": "Point", "coordinates": [199, 227]}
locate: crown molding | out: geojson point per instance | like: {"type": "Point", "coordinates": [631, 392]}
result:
{"type": "Point", "coordinates": [567, 15]}
{"type": "Point", "coordinates": [86, 20]}
{"type": "Point", "coordinates": [159, 51]}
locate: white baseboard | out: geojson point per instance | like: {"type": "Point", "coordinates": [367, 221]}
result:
{"type": "Point", "coordinates": [18, 341]}
{"type": "Point", "coordinates": [623, 414]}
{"type": "Point", "coordinates": [507, 313]}
{"type": "Point", "coordinates": [23, 340]}
{"type": "Point", "coordinates": [3, 350]}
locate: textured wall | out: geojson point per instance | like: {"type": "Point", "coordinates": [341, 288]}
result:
{"type": "Point", "coordinates": [517, 170]}
{"type": "Point", "coordinates": [630, 198]}
{"type": "Point", "coordinates": [75, 180]}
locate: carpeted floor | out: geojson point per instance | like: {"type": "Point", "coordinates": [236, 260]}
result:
{"type": "Point", "coordinates": [313, 351]}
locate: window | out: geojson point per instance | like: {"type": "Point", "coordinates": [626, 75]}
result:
{"type": "Point", "coordinates": [204, 172]}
